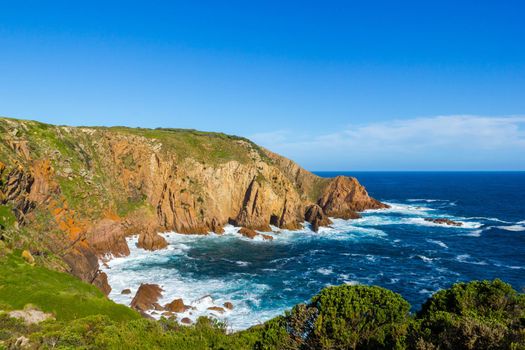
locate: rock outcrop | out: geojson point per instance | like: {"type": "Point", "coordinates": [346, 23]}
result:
{"type": "Point", "coordinates": [107, 237]}
{"type": "Point", "coordinates": [151, 241]}
{"type": "Point", "coordinates": [344, 197]}
{"type": "Point", "coordinates": [444, 221]}
{"type": "Point", "coordinates": [177, 306]}
{"type": "Point", "coordinates": [78, 192]}
{"type": "Point", "coordinates": [316, 217]}
{"type": "Point", "coordinates": [147, 297]}
{"type": "Point", "coordinates": [249, 233]}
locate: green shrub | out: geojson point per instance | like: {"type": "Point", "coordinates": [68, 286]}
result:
{"type": "Point", "coordinates": [475, 315]}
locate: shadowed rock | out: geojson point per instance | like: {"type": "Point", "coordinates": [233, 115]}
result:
{"type": "Point", "coordinates": [316, 217]}
{"type": "Point", "coordinates": [443, 221]}
{"type": "Point", "coordinates": [176, 305]}
{"type": "Point", "coordinates": [146, 297]}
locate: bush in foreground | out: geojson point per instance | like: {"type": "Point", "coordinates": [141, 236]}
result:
{"type": "Point", "coordinates": [475, 315]}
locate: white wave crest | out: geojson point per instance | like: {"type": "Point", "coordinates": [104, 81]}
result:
{"type": "Point", "coordinates": [439, 243]}
{"type": "Point", "coordinates": [513, 228]}
{"type": "Point", "coordinates": [325, 271]}
{"type": "Point", "coordinates": [464, 224]}
{"type": "Point", "coordinates": [466, 258]}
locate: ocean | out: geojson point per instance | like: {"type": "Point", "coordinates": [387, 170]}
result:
{"type": "Point", "coordinates": [393, 248]}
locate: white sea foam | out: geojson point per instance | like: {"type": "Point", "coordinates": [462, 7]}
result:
{"type": "Point", "coordinates": [424, 258]}
{"type": "Point", "coordinates": [404, 209]}
{"type": "Point", "coordinates": [199, 293]}
{"type": "Point", "coordinates": [352, 283]}
{"type": "Point", "coordinates": [439, 243]}
{"type": "Point", "coordinates": [513, 228]}
{"type": "Point", "coordinates": [426, 200]}
{"type": "Point", "coordinates": [475, 233]}
{"type": "Point", "coordinates": [464, 224]}
{"type": "Point", "coordinates": [466, 258]}
{"type": "Point", "coordinates": [487, 219]}
{"type": "Point", "coordinates": [325, 271]}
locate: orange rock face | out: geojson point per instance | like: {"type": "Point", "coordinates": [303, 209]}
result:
{"type": "Point", "coordinates": [246, 232]}
{"type": "Point", "coordinates": [315, 216]}
{"type": "Point", "coordinates": [176, 305]}
{"type": "Point", "coordinates": [146, 297]}
{"type": "Point", "coordinates": [154, 186]}
{"type": "Point", "coordinates": [344, 197]}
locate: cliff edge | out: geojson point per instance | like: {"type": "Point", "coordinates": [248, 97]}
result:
{"type": "Point", "coordinates": [71, 195]}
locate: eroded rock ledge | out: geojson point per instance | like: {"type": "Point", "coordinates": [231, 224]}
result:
{"type": "Point", "coordinates": [95, 186]}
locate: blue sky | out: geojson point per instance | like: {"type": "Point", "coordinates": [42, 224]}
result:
{"type": "Point", "coordinates": [334, 85]}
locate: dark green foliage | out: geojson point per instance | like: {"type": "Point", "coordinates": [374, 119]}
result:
{"type": "Point", "coordinates": [358, 317]}
{"type": "Point", "coordinates": [475, 315]}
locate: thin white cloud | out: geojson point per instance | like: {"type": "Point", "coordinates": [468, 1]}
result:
{"type": "Point", "coordinates": [455, 141]}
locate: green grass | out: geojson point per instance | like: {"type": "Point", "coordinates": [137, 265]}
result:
{"type": "Point", "coordinates": [7, 217]}
{"type": "Point", "coordinates": [63, 295]}
{"type": "Point", "coordinates": [208, 147]}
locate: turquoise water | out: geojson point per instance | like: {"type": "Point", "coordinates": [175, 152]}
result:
{"type": "Point", "coordinates": [394, 248]}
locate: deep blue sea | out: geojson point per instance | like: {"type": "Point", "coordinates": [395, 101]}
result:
{"type": "Point", "coordinates": [394, 248]}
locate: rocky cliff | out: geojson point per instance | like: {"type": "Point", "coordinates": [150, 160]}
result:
{"type": "Point", "coordinates": [71, 195]}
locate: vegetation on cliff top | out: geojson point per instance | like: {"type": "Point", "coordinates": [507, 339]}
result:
{"type": "Point", "coordinates": [476, 315]}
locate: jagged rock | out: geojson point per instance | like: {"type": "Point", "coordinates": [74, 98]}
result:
{"type": "Point", "coordinates": [246, 232]}
{"type": "Point", "coordinates": [216, 227]}
{"type": "Point", "coordinates": [83, 263]}
{"type": "Point", "coordinates": [151, 241]}
{"type": "Point", "coordinates": [126, 291]}
{"type": "Point", "coordinates": [266, 237]}
{"type": "Point", "coordinates": [252, 209]}
{"type": "Point", "coordinates": [107, 237]}
{"type": "Point", "coordinates": [315, 216]}
{"type": "Point", "coordinates": [344, 197]}
{"type": "Point", "coordinates": [146, 297]}
{"type": "Point", "coordinates": [228, 305]}
{"type": "Point", "coordinates": [216, 309]}
{"type": "Point", "coordinates": [101, 281]}
{"type": "Point", "coordinates": [444, 221]}
{"type": "Point", "coordinates": [176, 305]}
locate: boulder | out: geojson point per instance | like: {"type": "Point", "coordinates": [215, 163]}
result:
{"type": "Point", "coordinates": [126, 291]}
{"type": "Point", "coordinates": [216, 309]}
{"type": "Point", "coordinates": [176, 305]}
{"type": "Point", "coordinates": [28, 257]}
{"type": "Point", "coordinates": [146, 297]}
{"type": "Point", "coordinates": [315, 216]}
{"type": "Point", "coordinates": [247, 232]}
{"type": "Point", "coordinates": [228, 305]}
{"type": "Point", "coordinates": [443, 221]}
{"type": "Point", "coordinates": [185, 320]}
{"type": "Point", "coordinates": [151, 241]}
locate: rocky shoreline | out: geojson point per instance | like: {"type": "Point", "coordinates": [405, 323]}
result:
{"type": "Point", "coordinates": [79, 192]}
